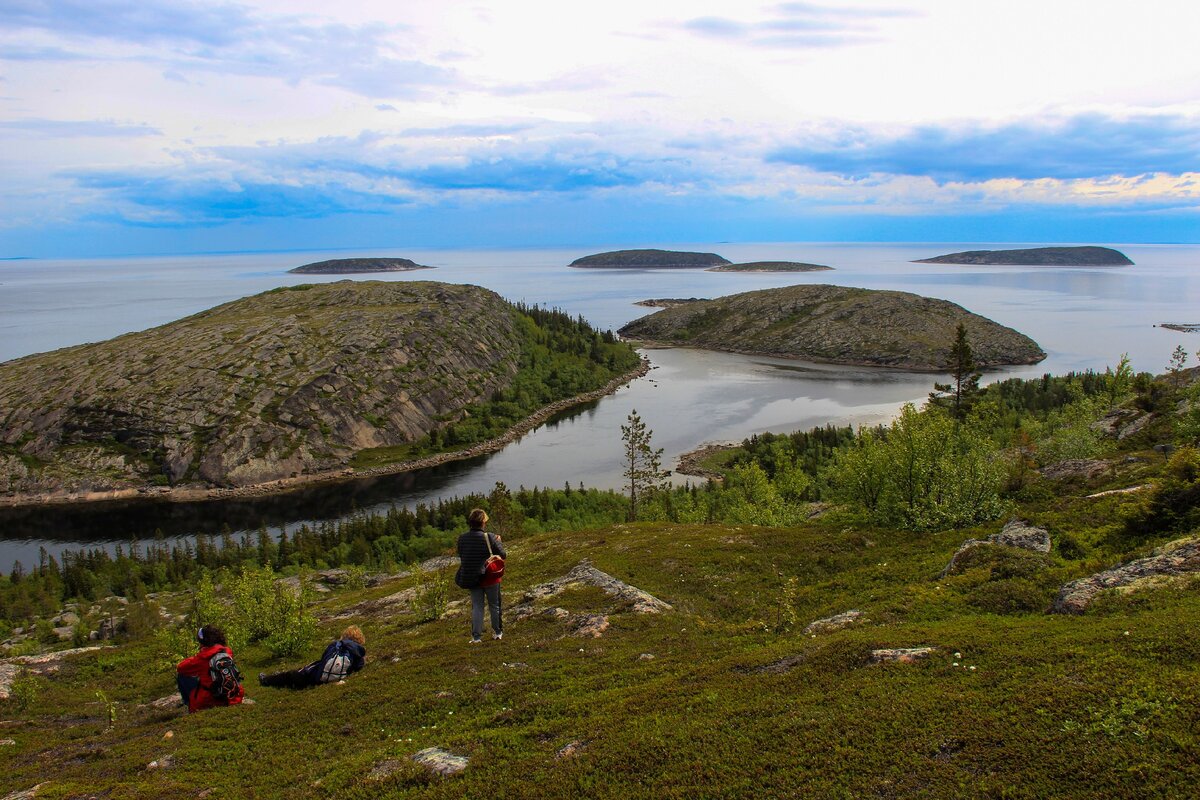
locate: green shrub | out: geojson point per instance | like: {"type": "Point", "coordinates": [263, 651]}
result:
{"type": "Point", "coordinates": [25, 691]}
{"type": "Point", "coordinates": [1010, 596]}
{"type": "Point", "coordinates": [432, 594]}
{"type": "Point", "coordinates": [1173, 505]}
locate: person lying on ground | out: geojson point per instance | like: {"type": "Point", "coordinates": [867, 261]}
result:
{"type": "Point", "coordinates": [209, 678]}
{"type": "Point", "coordinates": [342, 657]}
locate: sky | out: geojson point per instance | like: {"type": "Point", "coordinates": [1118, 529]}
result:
{"type": "Point", "coordinates": [172, 126]}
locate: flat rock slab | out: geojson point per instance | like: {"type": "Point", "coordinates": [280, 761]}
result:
{"type": "Point", "coordinates": [443, 762]}
{"type": "Point", "coordinates": [586, 574]}
{"type": "Point", "coordinates": [1129, 490]}
{"type": "Point", "coordinates": [1074, 468]}
{"type": "Point", "coordinates": [593, 625]}
{"type": "Point", "coordinates": [398, 603]}
{"type": "Point", "coordinates": [834, 623]}
{"type": "Point", "coordinates": [1180, 557]}
{"type": "Point", "coordinates": [1015, 533]}
{"type": "Point", "coordinates": [901, 655]}
{"type": "Point", "coordinates": [24, 794]}
{"type": "Point", "coordinates": [43, 664]}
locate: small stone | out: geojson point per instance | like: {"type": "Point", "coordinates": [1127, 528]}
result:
{"type": "Point", "coordinates": [440, 761]}
{"type": "Point", "coordinates": [901, 655]}
{"type": "Point", "coordinates": [834, 623]}
{"type": "Point", "coordinates": [169, 735]}
{"type": "Point", "coordinates": [247, 701]}
{"type": "Point", "coordinates": [7, 742]}
{"type": "Point", "coordinates": [570, 749]}
{"type": "Point", "coordinates": [166, 762]}
{"type": "Point", "coordinates": [646, 657]}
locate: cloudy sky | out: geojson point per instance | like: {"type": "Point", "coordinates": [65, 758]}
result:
{"type": "Point", "coordinates": [175, 126]}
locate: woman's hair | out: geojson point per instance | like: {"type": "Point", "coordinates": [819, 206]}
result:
{"type": "Point", "coordinates": [354, 633]}
{"type": "Point", "coordinates": [210, 635]}
{"type": "Point", "coordinates": [477, 518]}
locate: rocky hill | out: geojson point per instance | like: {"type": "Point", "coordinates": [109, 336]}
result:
{"type": "Point", "coordinates": [289, 382]}
{"type": "Point", "coordinates": [1037, 257]}
{"type": "Point", "coordinates": [771, 266]}
{"type": "Point", "coordinates": [351, 266]}
{"type": "Point", "coordinates": [836, 324]}
{"type": "Point", "coordinates": [650, 259]}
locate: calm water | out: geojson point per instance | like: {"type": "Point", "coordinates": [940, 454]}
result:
{"type": "Point", "coordinates": [1083, 318]}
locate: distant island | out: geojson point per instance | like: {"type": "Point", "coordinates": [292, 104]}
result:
{"type": "Point", "coordinates": [1037, 257]}
{"type": "Point", "coordinates": [350, 266]}
{"type": "Point", "coordinates": [836, 324]}
{"type": "Point", "coordinates": [668, 302]}
{"type": "Point", "coordinates": [771, 266]}
{"type": "Point", "coordinates": [651, 259]}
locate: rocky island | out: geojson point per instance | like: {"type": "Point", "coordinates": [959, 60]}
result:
{"type": "Point", "coordinates": [650, 259]}
{"type": "Point", "coordinates": [1037, 257]}
{"type": "Point", "coordinates": [836, 324]}
{"type": "Point", "coordinates": [771, 266]}
{"type": "Point", "coordinates": [353, 266]}
{"type": "Point", "coordinates": [668, 302]}
{"type": "Point", "coordinates": [294, 382]}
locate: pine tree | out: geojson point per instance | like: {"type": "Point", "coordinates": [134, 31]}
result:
{"type": "Point", "coordinates": [960, 395]}
{"type": "Point", "coordinates": [643, 464]}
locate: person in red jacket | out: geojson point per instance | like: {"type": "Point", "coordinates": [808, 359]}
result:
{"type": "Point", "coordinates": [194, 675]}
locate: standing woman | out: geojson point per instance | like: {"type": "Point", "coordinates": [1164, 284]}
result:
{"type": "Point", "coordinates": [475, 548]}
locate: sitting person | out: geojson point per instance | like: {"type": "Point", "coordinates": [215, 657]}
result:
{"type": "Point", "coordinates": [210, 677]}
{"type": "Point", "coordinates": [343, 656]}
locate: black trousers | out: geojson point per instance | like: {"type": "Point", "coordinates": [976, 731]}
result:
{"type": "Point", "coordinates": [288, 679]}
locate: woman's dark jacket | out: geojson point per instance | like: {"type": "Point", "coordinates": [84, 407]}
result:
{"type": "Point", "coordinates": [349, 655]}
{"type": "Point", "coordinates": [472, 554]}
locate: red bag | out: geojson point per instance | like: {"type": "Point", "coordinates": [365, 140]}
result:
{"type": "Point", "coordinates": [494, 566]}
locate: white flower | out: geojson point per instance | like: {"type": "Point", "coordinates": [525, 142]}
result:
{"type": "Point", "coordinates": [972, 668]}
{"type": "Point", "coordinates": [955, 664]}
{"type": "Point", "coordinates": [958, 655]}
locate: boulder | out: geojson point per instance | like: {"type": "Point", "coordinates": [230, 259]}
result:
{"type": "Point", "coordinates": [1180, 557]}
{"type": "Point", "coordinates": [834, 623]}
{"type": "Point", "coordinates": [1015, 533]}
{"type": "Point", "coordinates": [443, 762]}
{"type": "Point", "coordinates": [1085, 468]}
{"type": "Point", "coordinates": [593, 625]}
{"type": "Point", "coordinates": [901, 655]}
{"type": "Point", "coordinates": [66, 619]}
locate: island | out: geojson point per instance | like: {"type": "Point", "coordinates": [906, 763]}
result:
{"type": "Point", "coordinates": [298, 382]}
{"type": "Point", "coordinates": [650, 259]}
{"type": "Point", "coordinates": [836, 324]}
{"type": "Point", "coordinates": [668, 302]}
{"type": "Point", "coordinates": [351, 266]}
{"type": "Point", "coordinates": [1037, 257]}
{"type": "Point", "coordinates": [771, 266]}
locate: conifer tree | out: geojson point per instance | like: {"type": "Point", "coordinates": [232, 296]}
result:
{"type": "Point", "coordinates": [643, 464]}
{"type": "Point", "coordinates": [959, 396]}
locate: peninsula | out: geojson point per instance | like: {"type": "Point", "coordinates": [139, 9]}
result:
{"type": "Point", "coordinates": [771, 266]}
{"type": "Point", "coordinates": [650, 259]}
{"type": "Point", "coordinates": [1037, 257]}
{"type": "Point", "coordinates": [295, 382]}
{"type": "Point", "coordinates": [352, 266]}
{"type": "Point", "coordinates": [836, 324]}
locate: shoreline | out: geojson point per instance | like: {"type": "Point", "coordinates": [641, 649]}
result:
{"type": "Point", "coordinates": [689, 462]}
{"type": "Point", "coordinates": [333, 476]}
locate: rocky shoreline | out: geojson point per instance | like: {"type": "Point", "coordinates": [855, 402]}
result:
{"type": "Point", "coordinates": [689, 463]}
{"type": "Point", "coordinates": [191, 494]}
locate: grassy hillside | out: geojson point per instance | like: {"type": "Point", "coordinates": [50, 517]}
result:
{"type": "Point", "coordinates": [736, 701]}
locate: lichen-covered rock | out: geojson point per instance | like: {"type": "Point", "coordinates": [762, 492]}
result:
{"type": "Point", "coordinates": [834, 623]}
{"type": "Point", "coordinates": [1181, 557]}
{"type": "Point", "coordinates": [443, 762]}
{"type": "Point", "coordinates": [837, 324]}
{"type": "Point", "coordinates": [1015, 533]}
{"type": "Point", "coordinates": [589, 625]}
{"type": "Point", "coordinates": [584, 573]}
{"type": "Point", "coordinates": [901, 655]}
{"type": "Point", "coordinates": [282, 383]}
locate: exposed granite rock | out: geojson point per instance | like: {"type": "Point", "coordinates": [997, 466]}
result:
{"type": "Point", "coordinates": [443, 762]}
{"type": "Point", "coordinates": [641, 602]}
{"type": "Point", "coordinates": [593, 625]}
{"type": "Point", "coordinates": [834, 623]}
{"type": "Point", "coordinates": [902, 655]}
{"type": "Point", "coordinates": [1121, 423]}
{"type": "Point", "coordinates": [1037, 257]}
{"type": "Point", "coordinates": [837, 324]}
{"type": "Point", "coordinates": [349, 266]}
{"type": "Point", "coordinates": [1015, 533]}
{"type": "Point", "coordinates": [650, 259]}
{"type": "Point", "coordinates": [1180, 557]}
{"type": "Point", "coordinates": [570, 749]}
{"type": "Point", "coordinates": [44, 664]}
{"type": "Point", "coordinates": [264, 388]}
{"type": "Point", "coordinates": [1085, 468]}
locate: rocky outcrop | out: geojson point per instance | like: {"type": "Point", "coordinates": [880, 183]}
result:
{"type": "Point", "coordinates": [1181, 557]}
{"type": "Point", "coordinates": [350, 266]}
{"type": "Point", "coordinates": [440, 761]}
{"type": "Point", "coordinates": [1037, 257]}
{"type": "Point", "coordinates": [1071, 468]}
{"type": "Point", "coordinates": [835, 623]}
{"type": "Point", "coordinates": [771, 266]}
{"type": "Point", "coordinates": [901, 655]}
{"type": "Point", "coordinates": [1121, 423]}
{"type": "Point", "coordinates": [837, 324]}
{"type": "Point", "coordinates": [640, 602]}
{"type": "Point", "coordinates": [650, 259]}
{"type": "Point", "coordinates": [289, 383]}
{"type": "Point", "coordinates": [1016, 533]}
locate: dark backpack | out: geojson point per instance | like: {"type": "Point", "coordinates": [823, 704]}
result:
{"type": "Point", "coordinates": [226, 680]}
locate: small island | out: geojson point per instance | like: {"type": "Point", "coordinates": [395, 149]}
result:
{"type": "Point", "coordinates": [771, 266]}
{"type": "Point", "coordinates": [836, 324]}
{"type": "Point", "coordinates": [668, 302]}
{"type": "Point", "coordinates": [351, 266]}
{"type": "Point", "coordinates": [650, 259]}
{"type": "Point", "coordinates": [1036, 257]}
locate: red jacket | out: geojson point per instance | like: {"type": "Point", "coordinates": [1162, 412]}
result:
{"type": "Point", "coordinates": [197, 667]}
